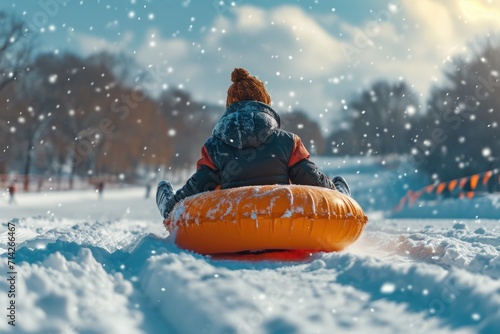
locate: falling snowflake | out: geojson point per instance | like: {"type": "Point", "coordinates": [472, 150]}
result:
{"type": "Point", "coordinates": [53, 78]}
{"type": "Point", "coordinates": [388, 288]}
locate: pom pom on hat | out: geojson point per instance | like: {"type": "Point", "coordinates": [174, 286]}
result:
{"type": "Point", "coordinates": [246, 87]}
{"type": "Point", "coordinates": [239, 74]}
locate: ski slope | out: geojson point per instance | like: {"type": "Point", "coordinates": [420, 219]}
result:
{"type": "Point", "coordinates": [90, 265]}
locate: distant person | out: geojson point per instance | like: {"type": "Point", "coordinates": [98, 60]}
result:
{"type": "Point", "coordinates": [148, 190]}
{"type": "Point", "coordinates": [12, 193]}
{"type": "Point", "coordinates": [248, 148]}
{"type": "Point", "coordinates": [100, 188]}
{"type": "Point", "coordinates": [40, 184]}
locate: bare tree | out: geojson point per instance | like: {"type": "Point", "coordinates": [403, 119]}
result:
{"type": "Point", "coordinates": [189, 124]}
{"type": "Point", "coordinates": [460, 134]}
{"type": "Point", "coordinates": [15, 53]}
{"type": "Point", "coordinates": [381, 119]}
{"type": "Point", "coordinates": [308, 130]}
{"type": "Point", "coordinates": [5, 129]}
{"type": "Point", "coordinates": [15, 48]}
{"type": "Point", "coordinates": [77, 94]}
{"type": "Point", "coordinates": [32, 124]}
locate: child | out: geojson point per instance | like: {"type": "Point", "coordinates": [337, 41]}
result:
{"type": "Point", "coordinates": [248, 148]}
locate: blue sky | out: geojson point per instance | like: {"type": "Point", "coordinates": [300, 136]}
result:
{"type": "Point", "coordinates": [312, 55]}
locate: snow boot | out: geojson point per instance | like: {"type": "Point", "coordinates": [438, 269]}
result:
{"type": "Point", "coordinates": [164, 193]}
{"type": "Point", "coordinates": [341, 185]}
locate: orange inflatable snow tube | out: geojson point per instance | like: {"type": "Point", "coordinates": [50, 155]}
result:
{"type": "Point", "coordinates": [270, 217]}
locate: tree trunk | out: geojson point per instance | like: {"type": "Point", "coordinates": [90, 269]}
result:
{"type": "Point", "coordinates": [27, 166]}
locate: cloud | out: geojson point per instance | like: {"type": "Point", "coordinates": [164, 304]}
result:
{"type": "Point", "coordinates": [90, 44]}
{"type": "Point", "coordinates": [284, 40]}
{"type": "Point", "coordinates": [476, 11]}
{"type": "Point", "coordinates": [313, 62]}
{"type": "Point", "coordinates": [285, 47]}
{"type": "Point", "coordinates": [251, 19]}
{"type": "Point", "coordinates": [413, 40]}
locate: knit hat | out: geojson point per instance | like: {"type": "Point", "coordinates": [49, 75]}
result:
{"type": "Point", "coordinates": [246, 87]}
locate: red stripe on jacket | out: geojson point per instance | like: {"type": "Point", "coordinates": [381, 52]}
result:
{"type": "Point", "coordinates": [299, 152]}
{"type": "Point", "coordinates": [205, 160]}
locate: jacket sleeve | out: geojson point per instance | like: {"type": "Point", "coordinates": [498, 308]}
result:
{"type": "Point", "coordinates": [304, 171]}
{"type": "Point", "coordinates": [206, 178]}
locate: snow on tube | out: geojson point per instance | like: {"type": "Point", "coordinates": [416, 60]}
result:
{"type": "Point", "coordinates": [269, 217]}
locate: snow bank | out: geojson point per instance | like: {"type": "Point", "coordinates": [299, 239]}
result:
{"type": "Point", "coordinates": [195, 296]}
{"type": "Point", "coordinates": [93, 270]}
{"type": "Point", "coordinates": [68, 296]}
{"type": "Point", "coordinates": [402, 276]}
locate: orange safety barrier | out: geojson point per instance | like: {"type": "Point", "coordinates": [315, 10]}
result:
{"type": "Point", "coordinates": [452, 185]}
{"type": "Point", "coordinates": [462, 182]}
{"type": "Point", "coordinates": [487, 177]}
{"type": "Point", "coordinates": [269, 217]}
{"type": "Point", "coordinates": [474, 179]}
{"type": "Point", "coordinates": [440, 188]}
{"type": "Point", "coordinates": [466, 187]}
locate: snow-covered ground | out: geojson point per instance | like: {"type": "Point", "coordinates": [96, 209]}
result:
{"type": "Point", "coordinates": [89, 265]}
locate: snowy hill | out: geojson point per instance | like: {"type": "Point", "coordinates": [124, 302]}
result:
{"type": "Point", "coordinates": [85, 265]}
